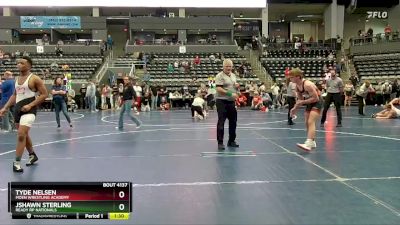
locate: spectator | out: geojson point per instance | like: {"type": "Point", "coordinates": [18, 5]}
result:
{"type": "Point", "coordinates": [146, 102]}
{"type": "Point", "coordinates": [267, 100]}
{"type": "Point", "coordinates": [354, 79]}
{"type": "Point", "coordinates": [83, 100]}
{"type": "Point", "coordinates": [386, 91]}
{"type": "Point", "coordinates": [257, 101]}
{"type": "Point", "coordinates": [348, 91]}
{"type": "Point", "coordinates": [138, 91]}
{"type": "Point", "coordinates": [45, 39]}
{"type": "Point", "coordinates": [241, 101]}
{"type": "Point", "coordinates": [275, 92]}
{"type": "Point", "coordinates": [388, 31]}
{"type": "Point", "coordinates": [395, 89]}
{"type": "Point", "coordinates": [109, 42]}
{"type": "Point", "coordinates": [170, 68]}
{"type": "Point", "coordinates": [196, 60]}
{"type": "Point", "coordinates": [214, 39]}
{"type": "Point", "coordinates": [7, 90]}
{"type": "Point", "coordinates": [59, 93]}
{"type": "Point", "coordinates": [59, 50]}
{"type": "Point", "coordinates": [361, 94]}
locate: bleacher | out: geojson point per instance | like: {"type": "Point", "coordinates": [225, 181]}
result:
{"type": "Point", "coordinates": [311, 62]}
{"type": "Point", "coordinates": [127, 61]}
{"type": "Point", "coordinates": [207, 69]}
{"type": "Point", "coordinates": [378, 66]}
{"type": "Point", "coordinates": [82, 65]}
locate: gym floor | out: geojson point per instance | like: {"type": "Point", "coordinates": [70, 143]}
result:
{"type": "Point", "coordinates": [179, 177]}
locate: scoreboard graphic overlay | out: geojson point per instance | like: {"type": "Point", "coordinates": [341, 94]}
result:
{"type": "Point", "coordinates": [70, 200]}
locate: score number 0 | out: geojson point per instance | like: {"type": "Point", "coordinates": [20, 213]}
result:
{"type": "Point", "coordinates": [121, 206]}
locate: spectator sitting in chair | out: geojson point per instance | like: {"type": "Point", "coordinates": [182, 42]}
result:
{"type": "Point", "coordinates": [257, 102]}
{"type": "Point", "coordinates": [196, 60]}
{"type": "Point", "coordinates": [59, 50]}
{"type": "Point", "coordinates": [164, 104]}
{"type": "Point", "coordinates": [241, 101]}
{"type": "Point", "coordinates": [267, 100]}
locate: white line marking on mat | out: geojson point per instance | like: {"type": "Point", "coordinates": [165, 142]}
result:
{"type": "Point", "coordinates": [108, 134]}
{"type": "Point", "coordinates": [339, 179]}
{"type": "Point", "coordinates": [188, 124]}
{"type": "Point", "coordinates": [252, 182]}
{"type": "Point", "coordinates": [77, 118]}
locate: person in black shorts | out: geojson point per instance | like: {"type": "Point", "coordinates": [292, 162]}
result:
{"type": "Point", "coordinates": [309, 96]}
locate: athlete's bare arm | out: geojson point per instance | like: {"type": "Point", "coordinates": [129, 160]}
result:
{"type": "Point", "coordinates": [37, 85]}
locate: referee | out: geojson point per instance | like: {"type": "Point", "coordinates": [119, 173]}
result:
{"type": "Point", "coordinates": [225, 101]}
{"type": "Point", "coordinates": [334, 89]}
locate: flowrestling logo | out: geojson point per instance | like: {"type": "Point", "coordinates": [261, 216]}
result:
{"type": "Point", "coordinates": [377, 14]}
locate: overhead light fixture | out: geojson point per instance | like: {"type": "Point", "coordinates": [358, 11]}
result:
{"type": "Point", "coordinates": [302, 20]}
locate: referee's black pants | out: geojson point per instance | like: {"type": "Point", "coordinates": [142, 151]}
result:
{"type": "Point", "coordinates": [336, 98]}
{"type": "Point", "coordinates": [226, 109]}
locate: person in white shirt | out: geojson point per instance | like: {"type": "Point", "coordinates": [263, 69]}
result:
{"type": "Point", "coordinates": [138, 89]}
{"type": "Point", "coordinates": [334, 89]}
{"type": "Point", "coordinates": [361, 94]}
{"type": "Point", "coordinates": [275, 92]}
{"type": "Point", "coordinates": [197, 106]}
